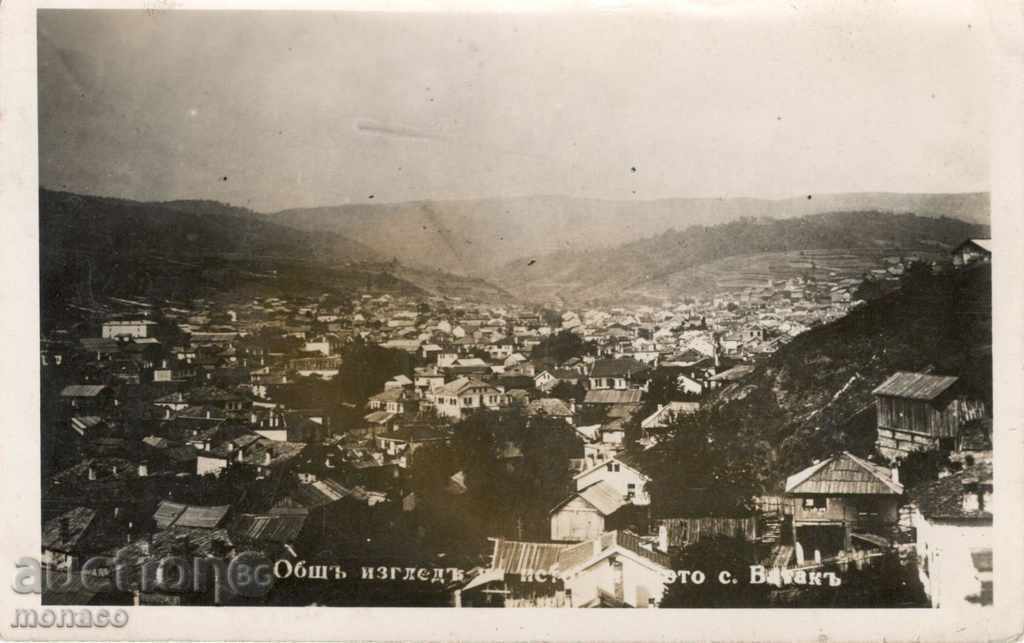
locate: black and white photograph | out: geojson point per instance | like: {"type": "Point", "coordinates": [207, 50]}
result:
{"type": "Point", "coordinates": [686, 307]}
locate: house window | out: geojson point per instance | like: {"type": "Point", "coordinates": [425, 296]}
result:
{"type": "Point", "coordinates": [817, 502]}
{"type": "Point", "coordinates": [613, 466]}
{"type": "Point", "coordinates": [630, 491]}
{"type": "Point", "coordinates": [467, 401]}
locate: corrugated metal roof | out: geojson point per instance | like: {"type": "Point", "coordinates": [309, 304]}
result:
{"type": "Point", "coordinates": [166, 513]}
{"type": "Point", "coordinates": [83, 390]}
{"type": "Point", "coordinates": [202, 517]}
{"type": "Point", "coordinates": [915, 386]}
{"type": "Point", "coordinates": [601, 495]}
{"type": "Point", "coordinates": [180, 515]}
{"type": "Point", "coordinates": [629, 396]}
{"type": "Point", "coordinates": [278, 528]}
{"type": "Point", "coordinates": [844, 474]}
{"type": "Point", "coordinates": [515, 557]}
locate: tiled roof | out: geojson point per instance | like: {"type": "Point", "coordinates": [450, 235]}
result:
{"type": "Point", "coordinates": [320, 493]}
{"type": "Point", "coordinates": [616, 368]}
{"type": "Point", "coordinates": [455, 387]}
{"type": "Point", "coordinates": [943, 498]}
{"type": "Point", "coordinates": [549, 406]}
{"type": "Point", "coordinates": [915, 386]}
{"type": "Point", "coordinates": [162, 544]}
{"type": "Point", "coordinates": [75, 524]}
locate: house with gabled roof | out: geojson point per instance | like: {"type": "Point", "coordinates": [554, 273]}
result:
{"type": "Point", "coordinates": [588, 513]}
{"type": "Point", "coordinates": [88, 398]}
{"type": "Point", "coordinates": [952, 520]}
{"type": "Point", "coordinates": [71, 537]}
{"type": "Point", "coordinates": [666, 414]}
{"type": "Point", "coordinates": [623, 473]}
{"type": "Point", "coordinates": [552, 407]}
{"type": "Point", "coordinates": [615, 569]}
{"type": "Point", "coordinates": [840, 504]}
{"type": "Point", "coordinates": [972, 251]}
{"type": "Point", "coordinates": [616, 374]}
{"type": "Point", "coordinates": [467, 394]}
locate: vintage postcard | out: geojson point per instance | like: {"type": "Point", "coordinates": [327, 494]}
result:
{"type": "Point", "coordinates": [322, 314]}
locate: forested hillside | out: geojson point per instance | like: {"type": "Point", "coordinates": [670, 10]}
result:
{"type": "Point", "coordinates": [684, 261]}
{"type": "Point", "coordinates": [813, 397]}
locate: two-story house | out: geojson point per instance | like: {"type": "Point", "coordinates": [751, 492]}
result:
{"type": "Point", "coordinates": [841, 504]}
{"type": "Point", "coordinates": [466, 394]}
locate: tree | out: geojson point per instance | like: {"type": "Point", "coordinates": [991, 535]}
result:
{"type": "Point", "coordinates": [431, 466]}
{"type": "Point", "coordinates": [566, 391]}
{"type": "Point", "coordinates": [561, 346]}
{"type": "Point", "coordinates": [708, 463]}
{"type": "Point", "coordinates": [923, 466]}
{"type": "Point", "coordinates": [547, 445]}
{"type": "Point", "coordinates": [365, 367]}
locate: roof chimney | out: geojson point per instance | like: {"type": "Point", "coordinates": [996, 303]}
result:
{"type": "Point", "coordinates": [92, 473]}
{"type": "Point", "coordinates": [143, 470]}
{"type": "Point", "coordinates": [896, 475]}
{"type": "Point", "coordinates": [663, 538]}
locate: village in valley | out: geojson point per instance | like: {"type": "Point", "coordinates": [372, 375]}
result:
{"type": "Point", "coordinates": [605, 455]}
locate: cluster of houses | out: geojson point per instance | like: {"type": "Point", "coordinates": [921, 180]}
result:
{"type": "Point", "coordinates": [606, 550]}
{"type": "Point", "coordinates": [147, 405]}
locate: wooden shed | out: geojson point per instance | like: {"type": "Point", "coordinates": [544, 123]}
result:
{"type": "Point", "coordinates": [920, 411]}
{"type": "Point", "coordinates": [586, 514]}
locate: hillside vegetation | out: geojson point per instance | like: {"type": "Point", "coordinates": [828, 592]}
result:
{"type": "Point", "coordinates": [478, 236]}
{"type": "Point", "coordinates": [734, 254]}
{"type": "Point", "coordinates": [813, 397]}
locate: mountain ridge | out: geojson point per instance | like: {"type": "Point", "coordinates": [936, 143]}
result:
{"type": "Point", "coordinates": [477, 236]}
{"type": "Point", "coordinates": [679, 261]}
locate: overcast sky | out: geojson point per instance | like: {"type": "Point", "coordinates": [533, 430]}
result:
{"type": "Point", "coordinates": [279, 110]}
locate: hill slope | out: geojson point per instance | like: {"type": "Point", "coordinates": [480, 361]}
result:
{"type": "Point", "coordinates": [93, 247]}
{"type": "Point", "coordinates": [732, 255]}
{"type": "Point", "coordinates": [479, 235]}
{"type": "Point", "coordinates": [813, 397]}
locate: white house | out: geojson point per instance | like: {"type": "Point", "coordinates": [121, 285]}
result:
{"type": "Point", "coordinates": [614, 570]}
{"type": "Point", "coordinates": [136, 328]}
{"type": "Point", "coordinates": [666, 413]}
{"type": "Point", "coordinates": [953, 521]}
{"type": "Point", "coordinates": [622, 473]}
{"type": "Point", "coordinates": [584, 515]}
{"type": "Point", "coordinates": [467, 394]}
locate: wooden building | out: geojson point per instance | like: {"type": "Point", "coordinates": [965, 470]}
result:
{"type": "Point", "coordinates": [841, 504]}
{"type": "Point", "coordinates": [588, 513]}
{"type": "Point", "coordinates": [920, 411]}
{"type": "Point", "coordinates": [971, 252]}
